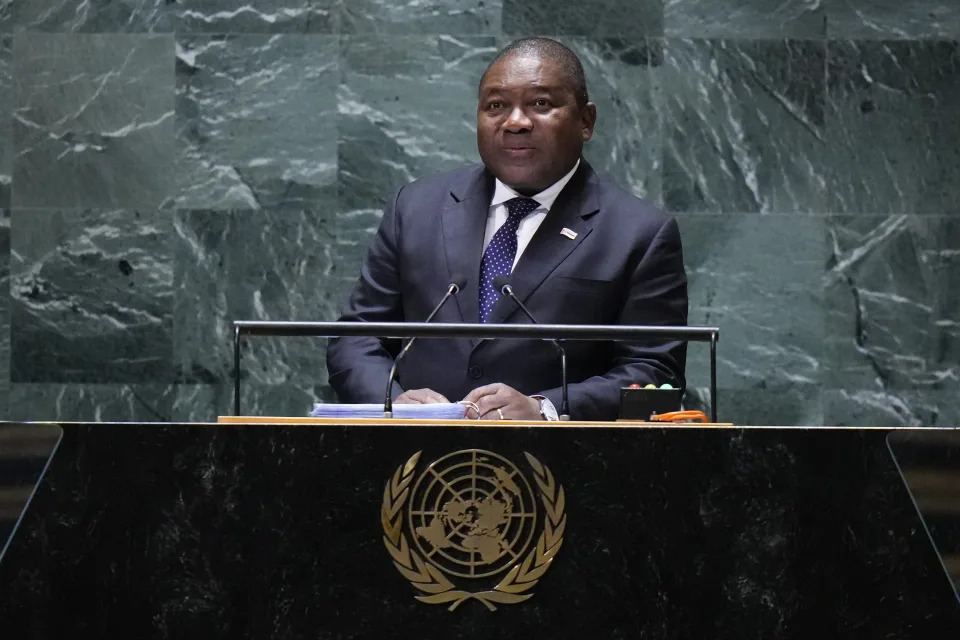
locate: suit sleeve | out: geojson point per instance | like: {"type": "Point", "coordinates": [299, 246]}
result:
{"type": "Point", "coordinates": [358, 367]}
{"type": "Point", "coordinates": [657, 295]}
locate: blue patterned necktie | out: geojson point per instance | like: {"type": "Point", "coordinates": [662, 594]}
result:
{"type": "Point", "coordinates": [501, 252]}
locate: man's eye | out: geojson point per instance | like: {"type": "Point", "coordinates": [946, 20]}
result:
{"type": "Point", "coordinates": [495, 105]}
{"type": "Point", "coordinates": [542, 102]}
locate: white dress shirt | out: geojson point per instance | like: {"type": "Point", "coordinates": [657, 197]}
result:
{"type": "Point", "coordinates": [497, 214]}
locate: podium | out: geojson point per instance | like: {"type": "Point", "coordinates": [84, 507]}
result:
{"type": "Point", "coordinates": [321, 529]}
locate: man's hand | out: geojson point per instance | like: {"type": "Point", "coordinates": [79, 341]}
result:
{"type": "Point", "coordinates": [498, 401]}
{"type": "Point", "coordinates": [420, 396]}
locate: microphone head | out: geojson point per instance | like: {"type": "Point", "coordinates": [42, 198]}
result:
{"type": "Point", "coordinates": [456, 285]}
{"type": "Point", "coordinates": [502, 284]}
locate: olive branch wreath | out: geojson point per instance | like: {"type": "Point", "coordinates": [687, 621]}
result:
{"type": "Point", "coordinates": [440, 590]}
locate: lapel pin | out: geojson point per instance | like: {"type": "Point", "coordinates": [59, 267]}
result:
{"type": "Point", "coordinates": [570, 233]}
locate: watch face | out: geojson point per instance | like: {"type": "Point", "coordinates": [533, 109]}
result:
{"type": "Point", "coordinates": [547, 410]}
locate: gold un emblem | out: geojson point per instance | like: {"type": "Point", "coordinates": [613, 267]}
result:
{"type": "Point", "coordinates": [473, 527]}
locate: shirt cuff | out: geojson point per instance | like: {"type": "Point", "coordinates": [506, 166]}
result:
{"type": "Point", "coordinates": [547, 410]}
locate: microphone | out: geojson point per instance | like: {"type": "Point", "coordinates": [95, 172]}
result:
{"type": "Point", "coordinates": [452, 289]}
{"type": "Point", "coordinates": [502, 283]}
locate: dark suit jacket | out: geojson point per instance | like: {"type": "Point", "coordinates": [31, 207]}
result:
{"type": "Point", "coordinates": [625, 266]}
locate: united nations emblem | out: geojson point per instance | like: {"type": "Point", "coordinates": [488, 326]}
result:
{"type": "Point", "coordinates": [473, 525]}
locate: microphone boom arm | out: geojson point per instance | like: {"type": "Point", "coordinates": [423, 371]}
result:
{"type": "Point", "coordinates": [507, 290]}
{"type": "Point", "coordinates": [452, 289]}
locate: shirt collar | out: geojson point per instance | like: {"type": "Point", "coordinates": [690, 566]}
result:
{"type": "Point", "coordinates": [546, 198]}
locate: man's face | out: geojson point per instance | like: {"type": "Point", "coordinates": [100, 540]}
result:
{"type": "Point", "coordinates": [530, 130]}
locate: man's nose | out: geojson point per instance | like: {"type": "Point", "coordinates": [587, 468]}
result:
{"type": "Point", "coordinates": [518, 121]}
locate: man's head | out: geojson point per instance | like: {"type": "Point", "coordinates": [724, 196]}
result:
{"type": "Point", "coordinates": [533, 114]}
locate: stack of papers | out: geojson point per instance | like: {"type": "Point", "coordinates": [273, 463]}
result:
{"type": "Point", "coordinates": [438, 411]}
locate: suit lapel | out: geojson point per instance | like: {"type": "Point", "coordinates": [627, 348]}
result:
{"type": "Point", "coordinates": [548, 248]}
{"type": "Point", "coordinates": [463, 222]}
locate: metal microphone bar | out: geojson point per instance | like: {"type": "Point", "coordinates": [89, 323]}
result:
{"type": "Point", "coordinates": [465, 330]}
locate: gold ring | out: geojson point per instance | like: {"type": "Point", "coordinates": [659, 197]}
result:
{"type": "Point", "coordinates": [500, 413]}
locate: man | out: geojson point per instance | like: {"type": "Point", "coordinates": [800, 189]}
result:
{"type": "Point", "coordinates": [577, 250]}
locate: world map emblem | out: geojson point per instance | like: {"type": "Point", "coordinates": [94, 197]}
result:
{"type": "Point", "coordinates": [471, 525]}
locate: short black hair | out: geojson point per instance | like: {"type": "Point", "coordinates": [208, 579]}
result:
{"type": "Point", "coordinates": [547, 48]}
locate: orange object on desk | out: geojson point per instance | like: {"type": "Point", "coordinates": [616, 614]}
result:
{"type": "Point", "coordinates": [680, 416]}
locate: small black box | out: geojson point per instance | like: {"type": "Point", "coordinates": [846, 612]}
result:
{"type": "Point", "coordinates": [640, 404]}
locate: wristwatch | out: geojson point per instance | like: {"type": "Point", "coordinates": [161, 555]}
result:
{"type": "Point", "coordinates": [547, 410]}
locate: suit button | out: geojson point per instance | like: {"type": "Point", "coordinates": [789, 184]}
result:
{"type": "Point", "coordinates": [475, 372]}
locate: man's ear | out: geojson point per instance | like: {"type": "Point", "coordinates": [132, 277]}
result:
{"type": "Point", "coordinates": [588, 120]}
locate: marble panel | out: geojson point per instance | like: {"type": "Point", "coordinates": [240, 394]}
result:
{"type": "Point", "coordinates": [892, 305]}
{"type": "Point", "coordinates": [893, 19]}
{"type": "Point", "coordinates": [92, 402]}
{"type": "Point", "coordinates": [760, 19]}
{"type": "Point", "coordinates": [460, 17]}
{"type": "Point", "coordinates": [252, 265]}
{"type": "Point", "coordinates": [407, 108]}
{"type": "Point", "coordinates": [744, 125]}
{"type": "Point", "coordinates": [892, 127]}
{"type": "Point", "coordinates": [256, 121]}
{"type": "Point", "coordinates": [91, 296]}
{"type": "Point", "coordinates": [758, 279]}
{"type": "Point", "coordinates": [89, 16]}
{"type": "Point", "coordinates": [624, 81]}
{"type": "Point", "coordinates": [599, 18]}
{"type": "Point", "coordinates": [6, 115]}
{"type": "Point", "coordinates": [258, 16]}
{"type": "Point", "coordinates": [93, 122]}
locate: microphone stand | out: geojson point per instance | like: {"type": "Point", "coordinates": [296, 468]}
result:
{"type": "Point", "coordinates": [564, 416]}
{"type": "Point", "coordinates": [452, 289]}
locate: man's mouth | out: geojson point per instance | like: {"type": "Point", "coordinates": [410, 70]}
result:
{"type": "Point", "coordinates": [519, 151]}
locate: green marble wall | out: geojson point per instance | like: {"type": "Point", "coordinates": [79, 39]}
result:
{"type": "Point", "coordinates": [167, 166]}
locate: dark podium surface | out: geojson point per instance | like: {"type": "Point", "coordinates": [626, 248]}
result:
{"type": "Point", "coordinates": [229, 531]}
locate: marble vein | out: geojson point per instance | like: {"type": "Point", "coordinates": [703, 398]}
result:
{"type": "Point", "coordinates": [274, 16]}
{"type": "Point", "coordinates": [844, 261]}
{"type": "Point", "coordinates": [262, 16]}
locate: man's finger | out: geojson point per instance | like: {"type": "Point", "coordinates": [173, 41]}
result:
{"type": "Point", "coordinates": [481, 392]}
{"type": "Point", "coordinates": [489, 404]}
{"type": "Point", "coordinates": [420, 396]}
{"type": "Point", "coordinates": [493, 414]}
{"type": "Point", "coordinates": [434, 396]}
{"type": "Point", "coordinates": [429, 396]}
